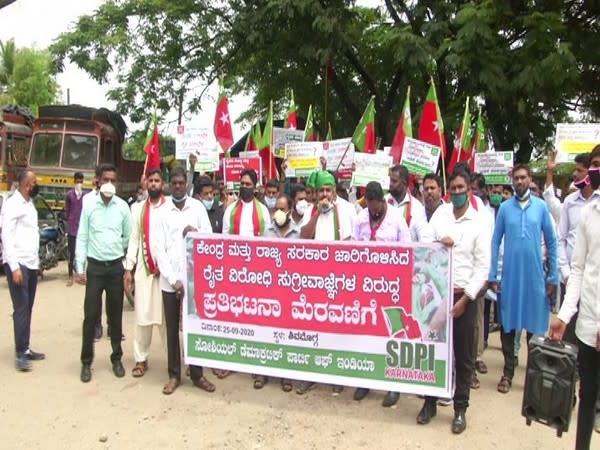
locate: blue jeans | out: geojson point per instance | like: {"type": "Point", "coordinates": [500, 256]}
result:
{"type": "Point", "coordinates": [22, 299]}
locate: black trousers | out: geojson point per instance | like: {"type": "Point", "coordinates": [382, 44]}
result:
{"type": "Point", "coordinates": [464, 355]}
{"type": "Point", "coordinates": [172, 308]}
{"type": "Point", "coordinates": [508, 351]}
{"type": "Point", "coordinates": [487, 310]}
{"type": "Point", "coordinates": [106, 277]}
{"type": "Point", "coordinates": [22, 299]}
{"type": "Point", "coordinates": [589, 380]}
{"type": "Point", "coordinates": [71, 245]}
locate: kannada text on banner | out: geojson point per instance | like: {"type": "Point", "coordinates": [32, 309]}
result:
{"type": "Point", "coordinates": [496, 167]}
{"type": "Point", "coordinates": [362, 314]}
{"type": "Point", "coordinates": [575, 138]}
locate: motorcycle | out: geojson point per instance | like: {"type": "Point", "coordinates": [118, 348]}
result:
{"type": "Point", "coordinates": [53, 239]}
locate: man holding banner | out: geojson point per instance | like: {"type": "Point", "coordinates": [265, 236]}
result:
{"type": "Point", "coordinates": [412, 209]}
{"type": "Point", "coordinates": [180, 215]}
{"type": "Point", "coordinates": [459, 226]}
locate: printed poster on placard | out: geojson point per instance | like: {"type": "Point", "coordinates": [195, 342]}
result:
{"type": "Point", "coordinates": [419, 157]}
{"type": "Point", "coordinates": [233, 167]}
{"type": "Point", "coordinates": [496, 167]}
{"type": "Point", "coordinates": [575, 138]}
{"type": "Point", "coordinates": [371, 167]}
{"type": "Point", "coordinates": [200, 141]}
{"type": "Point", "coordinates": [361, 314]}
{"type": "Point", "coordinates": [340, 157]}
{"type": "Point", "coordinates": [282, 136]}
{"type": "Point", "coordinates": [302, 158]}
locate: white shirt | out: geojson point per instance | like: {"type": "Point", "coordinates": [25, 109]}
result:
{"type": "Point", "coordinates": [471, 252]}
{"type": "Point", "coordinates": [553, 203]}
{"type": "Point", "coordinates": [170, 253]}
{"type": "Point", "coordinates": [246, 220]}
{"type": "Point", "coordinates": [20, 233]}
{"type": "Point", "coordinates": [420, 230]}
{"type": "Point", "coordinates": [584, 282]}
{"type": "Point", "coordinates": [325, 228]}
{"type": "Point", "coordinates": [134, 253]}
{"type": "Point", "coordinates": [567, 228]}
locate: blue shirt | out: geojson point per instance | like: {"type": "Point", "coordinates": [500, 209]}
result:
{"type": "Point", "coordinates": [104, 231]}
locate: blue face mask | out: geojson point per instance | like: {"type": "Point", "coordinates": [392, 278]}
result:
{"type": "Point", "coordinates": [208, 204]}
{"type": "Point", "coordinates": [459, 200]}
{"type": "Point", "coordinates": [270, 202]}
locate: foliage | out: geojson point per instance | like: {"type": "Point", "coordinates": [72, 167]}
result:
{"type": "Point", "coordinates": [27, 76]}
{"type": "Point", "coordinates": [133, 148]}
{"type": "Point", "coordinates": [528, 63]}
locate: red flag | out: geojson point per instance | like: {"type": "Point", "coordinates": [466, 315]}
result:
{"type": "Point", "coordinates": [292, 118]}
{"type": "Point", "coordinates": [463, 140]}
{"type": "Point", "coordinates": [431, 127]}
{"type": "Point", "coordinates": [152, 150]}
{"type": "Point", "coordinates": [222, 126]}
{"type": "Point", "coordinates": [404, 129]}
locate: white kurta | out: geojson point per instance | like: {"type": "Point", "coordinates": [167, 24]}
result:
{"type": "Point", "coordinates": [148, 296]}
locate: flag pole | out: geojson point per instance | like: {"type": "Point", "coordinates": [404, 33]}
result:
{"type": "Point", "coordinates": [348, 146]}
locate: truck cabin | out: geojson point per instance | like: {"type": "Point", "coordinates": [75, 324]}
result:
{"type": "Point", "coordinates": [15, 136]}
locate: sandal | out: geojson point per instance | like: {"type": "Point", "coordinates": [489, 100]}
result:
{"type": "Point", "coordinates": [260, 381]}
{"type": "Point", "coordinates": [221, 373]}
{"type": "Point", "coordinates": [170, 387]}
{"type": "Point", "coordinates": [504, 385]}
{"type": "Point", "coordinates": [286, 385]}
{"type": "Point", "coordinates": [204, 384]}
{"type": "Point", "coordinates": [475, 383]}
{"type": "Point", "coordinates": [140, 369]}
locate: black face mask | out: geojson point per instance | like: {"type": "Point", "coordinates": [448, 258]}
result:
{"type": "Point", "coordinates": [594, 174]}
{"type": "Point", "coordinates": [34, 191]}
{"type": "Point", "coordinates": [154, 193]}
{"type": "Point", "coordinates": [246, 193]}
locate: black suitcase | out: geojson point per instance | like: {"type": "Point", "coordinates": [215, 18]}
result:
{"type": "Point", "coordinates": [550, 383]}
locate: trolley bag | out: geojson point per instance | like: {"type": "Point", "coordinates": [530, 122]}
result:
{"type": "Point", "coordinates": [550, 383]}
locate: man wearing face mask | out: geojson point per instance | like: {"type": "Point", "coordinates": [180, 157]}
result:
{"type": "Point", "coordinates": [460, 226]}
{"type": "Point", "coordinates": [522, 221]}
{"type": "Point", "coordinates": [379, 222]}
{"type": "Point", "coordinates": [271, 192]}
{"type": "Point", "coordinates": [411, 208]}
{"type": "Point", "coordinates": [73, 206]}
{"type": "Point", "coordinates": [180, 215]}
{"type": "Point", "coordinates": [204, 190]}
{"type": "Point", "coordinates": [246, 216]}
{"type": "Point", "coordinates": [281, 227]}
{"type": "Point", "coordinates": [496, 197]}
{"type": "Point", "coordinates": [326, 220]}
{"type": "Point", "coordinates": [299, 202]}
{"type": "Point", "coordinates": [141, 254]}
{"type": "Point", "coordinates": [102, 239]}
{"type": "Point", "coordinates": [20, 245]}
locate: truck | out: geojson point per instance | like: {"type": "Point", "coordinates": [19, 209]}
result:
{"type": "Point", "coordinates": [15, 136]}
{"type": "Point", "coordinates": [74, 138]}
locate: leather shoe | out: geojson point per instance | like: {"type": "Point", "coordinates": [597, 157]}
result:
{"type": "Point", "coordinates": [390, 399]}
{"type": "Point", "coordinates": [360, 393]}
{"type": "Point", "coordinates": [86, 373]}
{"type": "Point", "coordinates": [118, 369]}
{"type": "Point", "coordinates": [22, 363]}
{"type": "Point", "coordinates": [459, 424]}
{"type": "Point", "coordinates": [428, 412]}
{"type": "Point", "coordinates": [34, 356]}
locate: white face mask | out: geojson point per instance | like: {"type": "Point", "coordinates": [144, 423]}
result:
{"type": "Point", "coordinates": [108, 189]}
{"type": "Point", "coordinates": [301, 207]}
{"type": "Point", "coordinates": [78, 187]}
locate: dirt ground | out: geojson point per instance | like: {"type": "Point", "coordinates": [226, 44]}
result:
{"type": "Point", "coordinates": [50, 408]}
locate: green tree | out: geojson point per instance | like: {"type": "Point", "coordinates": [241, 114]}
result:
{"type": "Point", "coordinates": [27, 76]}
{"type": "Point", "coordinates": [521, 59]}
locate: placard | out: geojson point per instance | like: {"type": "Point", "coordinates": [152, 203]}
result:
{"type": "Point", "coordinates": [496, 167]}
{"type": "Point", "coordinates": [201, 142]}
{"type": "Point", "coordinates": [419, 157]}
{"type": "Point", "coordinates": [233, 167]}
{"type": "Point", "coordinates": [361, 314]}
{"type": "Point", "coordinates": [302, 158]}
{"type": "Point", "coordinates": [371, 167]}
{"type": "Point", "coordinates": [334, 151]}
{"type": "Point", "coordinates": [575, 138]}
{"type": "Point", "coordinates": [282, 136]}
